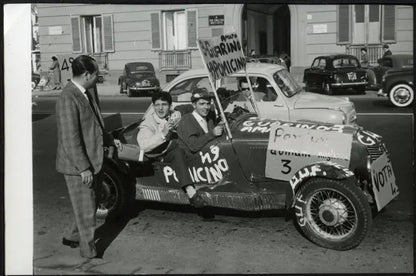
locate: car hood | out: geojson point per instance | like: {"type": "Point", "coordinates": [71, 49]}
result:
{"type": "Point", "coordinates": [306, 100]}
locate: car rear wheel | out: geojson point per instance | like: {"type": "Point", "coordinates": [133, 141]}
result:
{"type": "Point", "coordinates": [33, 84]}
{"type": "Point", "coordinates": [327, 89]}
{"type": "Point", "coordinates": [401, 95]}
{"type": "Point", "coordinates": [113, 200]}
{"type": "Point", "coordinates": [332, 213]}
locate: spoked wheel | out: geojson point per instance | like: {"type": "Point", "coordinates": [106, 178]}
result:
{"type": "Point", "coordinates": [401, 95]}
{"type": "Point", "coordinates": [112, 198]}
{"type": "Point", "coordinates": [333, 213]}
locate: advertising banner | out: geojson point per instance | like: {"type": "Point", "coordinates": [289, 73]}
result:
{"type": "Point", "coordinates": [223, 55]}
{"type": "Point", "coordinates": [291, 148]}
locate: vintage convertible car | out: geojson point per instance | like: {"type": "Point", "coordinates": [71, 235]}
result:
{"type": "Point", "coordinates": [327, 176]}
{"type": "Point", "coordinates": [398, 85]}
{"type": "Point", "coordinates": [335, 72]}
{"type": "Point", "coordinates": [280, 96]}
{"type": "Point", "coordinates": [138, 78]}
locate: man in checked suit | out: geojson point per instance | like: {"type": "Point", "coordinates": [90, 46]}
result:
{"type": "Point", "coordinates": [80, 152]}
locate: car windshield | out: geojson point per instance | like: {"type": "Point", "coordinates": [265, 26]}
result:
{"type": "Point", "coordinates": [344, 62]}
{"type": "Point", "coordinates": [287, 84]}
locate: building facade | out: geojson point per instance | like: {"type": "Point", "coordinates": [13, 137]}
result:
{"type": "Point", "coordinates": [165, 35]}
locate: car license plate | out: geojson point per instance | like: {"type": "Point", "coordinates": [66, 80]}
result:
{"type": "Point", "coordinates": [384, 181]}
{"type": "Point", "coordinates": [352, 76]}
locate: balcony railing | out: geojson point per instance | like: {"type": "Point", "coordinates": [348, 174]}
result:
{"type": "Point", "coordinates": [175, 60]}
{"type": "Point", "coordinates": [374, 52]}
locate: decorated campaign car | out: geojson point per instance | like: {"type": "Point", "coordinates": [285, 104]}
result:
{"type": "Point", "coordinates": [277, 94]}
{"type": "Point", "coordinates": [329, 176]}
{"type": "Point", "coordinates": [335, 72]}
{"type": "Point", "coordinates": [138, 78]}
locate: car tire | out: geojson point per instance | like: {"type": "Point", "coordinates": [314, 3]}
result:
{"type": "Point", "coordinates": [122, 90]}
{"type": "Point", "coordinates": [34, 84]}
{"type": "Point", "coordinates": [129, 93]}
{"type": "Point", "coordinates": [326, 87]}
{"type": "Point", "coordinates": [361, 90]}
{"type": "Point", "coordinates": [334, 214]}
{"type": "Point", "coordinates": [401, 95]}
{"type": "Point", "coordinates": [114, 201]}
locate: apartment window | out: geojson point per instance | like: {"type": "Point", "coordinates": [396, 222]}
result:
{"type": "Point", "coordinates": [174, 29]}
{"type": "Point", "coordinates": [365, 24]}
{"type": "Point", "coordinates": [92, 34]}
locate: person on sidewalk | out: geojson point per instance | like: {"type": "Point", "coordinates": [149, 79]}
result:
{"type": "Point", "coordinates": [56, 73]}
{"type": "Point", "coordinates": [157, 138]}
{"type": "Point", "coordinates": [80, 152]}
{"type": "Point", "coordinates": [386, 50]}
{"type": "Point", "coordinates": [365, 64]}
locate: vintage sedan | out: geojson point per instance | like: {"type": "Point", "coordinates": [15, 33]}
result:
{"type": "Point", "coordinates": [329, 177]}
{"type": "Point", "coordinates": [138, 78]}
{"type": "Point", "coordinates": [278, 94]}
{"type": "Point", "coordinates": [335, 72]}
{"type": "Point", "coordinates": [398, 86]}
{"type": "Point", "coordinates": [390, 63]}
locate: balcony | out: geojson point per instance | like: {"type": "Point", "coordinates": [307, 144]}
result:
{"type": "Point", "coordinates": [175, 60]}
{"type": "Point", "coordinates": [374, 52]}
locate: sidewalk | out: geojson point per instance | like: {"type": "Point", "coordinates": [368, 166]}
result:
{"type": "Point", "coordinates": [109, 90]}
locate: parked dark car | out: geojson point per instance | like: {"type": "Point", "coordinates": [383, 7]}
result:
{"type": "Point", "coordinates": [328, 176]}
{"type": "Point", "coordinates": [35, 79]}
{"type": "Point", "coordinates": [387, 63]}
{"type": "Point", "coordinates": [398, 85]}
{"type": "Point", "coordinates": [335, 72]}
{"type": "Point", "coordinates": [138, 78]}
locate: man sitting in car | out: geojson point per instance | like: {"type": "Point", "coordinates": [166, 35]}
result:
{"type": "Point", "coordinates": [197, 129]}
{"type": "Point", "coordinates": [157, 138]}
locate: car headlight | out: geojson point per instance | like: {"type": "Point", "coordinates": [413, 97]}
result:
{"type": "Point", "coordinates": [138, 84]}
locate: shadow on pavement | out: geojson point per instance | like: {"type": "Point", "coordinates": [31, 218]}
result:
{"type": "Point", "coordinates": [106, 233]}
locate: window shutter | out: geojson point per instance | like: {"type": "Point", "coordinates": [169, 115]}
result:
{"type": "Point", "coordinates": [192, 27]}
{"type": "Point", "coordinates": [343, 24]}
{"type": "Point", "coordinates": [389, 23]}
{"type": "Point", "coordinates": [108, 33]}
{"type": "Point", "coordinates": [155, 27]}
{"type": "Point", "coordinates": [76, 34]}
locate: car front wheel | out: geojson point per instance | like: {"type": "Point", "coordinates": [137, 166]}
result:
{"type": "Point", "coordinates": [401, 95]}
{"type": "Point", "coordinates": [113, 200]}
{"type": "Point", "coordinates": [129, 92]}
{"type": "Point", "coordinates": [332, 213]}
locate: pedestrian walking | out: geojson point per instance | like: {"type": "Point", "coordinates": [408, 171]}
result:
{"type": "Point", "coordinates": [56, 73]}
{"type": "Point", "coordinates": [80, 152]}
{"type": "Point", "coordinates": [365, 64]}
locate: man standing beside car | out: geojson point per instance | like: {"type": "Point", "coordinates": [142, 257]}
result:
{"type": "Point", "coordinates": [156, 137]}
{"type": "Point", "coordinates": [80, 152]}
